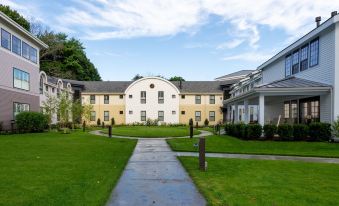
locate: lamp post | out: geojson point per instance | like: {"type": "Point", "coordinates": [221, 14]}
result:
{"type": "Point", "coordinates": [191, 127]}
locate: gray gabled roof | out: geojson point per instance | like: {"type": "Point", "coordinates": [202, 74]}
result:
{"type": "Point", "coordinates": [293, 82]}
{"type": "Point", "coordinates": [198, 86]}
{"type": "Point", "coordinates": [106, 86]}
{"type": "Point", "coordinates": [235, 74]}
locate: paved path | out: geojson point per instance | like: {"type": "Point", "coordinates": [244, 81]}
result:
{"type": "Point", "coordinates": [263, 157]}
{"type": "Point", "coordinates": [154, 176]}
{"type": "Point", "coordinates": [203, 133]}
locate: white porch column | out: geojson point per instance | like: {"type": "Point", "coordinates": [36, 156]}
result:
{"type": "Point", "coordinates": [236, 113]}
{"type": "Point", "coordinates": [335, 91]}
{"type": "Point", "coordinates": [246, 117]}
{"type": "Point", "coordinates": [262, 109]}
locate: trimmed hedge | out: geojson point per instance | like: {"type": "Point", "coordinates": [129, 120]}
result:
{"type": "Point", "coordinates": [270, 130]}
{"type": "Point", "coordinates": [319, 131]}
{"type": "Point", "coordinates": [300, 132]}
{"type": "Point", "coordinates": [285, 132]}
{"type": "Point", "coordinates": [254, 131]}
{"type": "Point", "coordinates": [31, 122]}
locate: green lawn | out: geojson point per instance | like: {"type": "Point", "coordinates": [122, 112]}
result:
{"type": "Point", "coordinates": [265, 182]}
{"type": "Point", "coordinates": [152, 131]}
{"type": "Point", "coordinates": [60, 169]}
{"type": "Point", "coordinates": [227, 144]}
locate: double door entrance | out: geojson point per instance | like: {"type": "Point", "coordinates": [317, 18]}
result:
{"type": "Point", "coordinates": [302, 110]}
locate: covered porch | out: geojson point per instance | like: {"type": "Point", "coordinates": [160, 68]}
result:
{"type": "Point", "coordinates": [287, 101]}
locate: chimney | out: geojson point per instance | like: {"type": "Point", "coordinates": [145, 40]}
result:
{"type": "Point", "coordinates": [318, 20]}
{"type": "Point", "coordinates": [180, 84]}
{"type": "Point", "coordinates": [334, 13]}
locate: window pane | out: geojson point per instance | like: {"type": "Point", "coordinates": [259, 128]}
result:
{"type": "Point", "coordinates": [33, 54]}
{"type": "Point", "coordinates": [198, 99]}
{"type": "Point", "coordinates": [314, 52]}
{"type": "Point", "coordinates": [16, 45]}
{"type": "Point", "coordinates": [25, 50]}
{"type": "Point", "coordinates": [295, 62]}
{"type": "Point", "coordinates": [304, 58]}
{"type": "Point", "coordinates": [161, 115]}
{"type": "Point", "coordinates": [198, 116]}
{"type": "Point", "coordinates": [288, 65]}
{"type": "Point", "coordinates": [212, 116]}
{"type": "Point", "coordinates": [212, 99]}
{"type": "Point", "coordinates": [5, 39]}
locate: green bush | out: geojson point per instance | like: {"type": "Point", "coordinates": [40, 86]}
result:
{"type": "Point", "coordinates": [254, 131]}
{"type": "Point", "coordinates": [285, 132]}
{"type": "Point", "coordinates": [98, 122]}
{"type": "Point", "coordinates": [1, 126]}
{"type": "Point", "coordinates": [112, 121]}
{"type": "Point", "coordinates": [270, 130]}
{"type": "Point", "coordinates": [300, 131]}
{"type": "Point", "coordinates": [31, 122]}
{"type": "Point", "coordinates": [319, 131]}
{"type": "Point", "coordinates": [206, 122]}
{"type": "Point", "coordinates": [335, 128]}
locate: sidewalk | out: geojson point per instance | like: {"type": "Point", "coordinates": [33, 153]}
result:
{"type": "Point", "coordinates": [154, 176]}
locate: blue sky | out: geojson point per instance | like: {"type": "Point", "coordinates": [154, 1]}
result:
{"type": "Point", "coordinates": [196, 39]}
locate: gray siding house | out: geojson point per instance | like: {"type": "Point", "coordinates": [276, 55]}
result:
{"type": "Point", "coordinates": [19, 70]}
{"type": "Point", "coordinates": [300, 84]}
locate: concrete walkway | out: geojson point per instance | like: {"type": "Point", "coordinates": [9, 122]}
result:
{"type": "Point", "coordinates": [154, 176]}
{"type": "Point", "coordinates": [203, 133]}
{"type": "Point", "coordinates": [263, 157]}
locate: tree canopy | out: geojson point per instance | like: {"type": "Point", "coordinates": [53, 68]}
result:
{"type": "Point", "coordinates": [65, 57]}
{"type": "Point", "coordinates": [176, 78]}
{"type": "Point", "coordinates": [15, 16]}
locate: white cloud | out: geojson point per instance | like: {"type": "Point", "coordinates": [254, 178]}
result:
{"type": "Point", "coordinates": [230, 44]}
{"type": "Point", "coordinates": [249, 56]}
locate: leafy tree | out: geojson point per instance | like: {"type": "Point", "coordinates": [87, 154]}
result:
{"type": "Point", "coordinates": [176, 78]}
{"type": "Point", "coordinates": [86, 112]}
{"type": "Point", "coordinates": [64, 106]}
{"type": "Point", "coordinates": [77, 111]}
{"type": "Point", "coordinates": [136, 77]}
{"type": "Point", "coordinates": [15, 16]}
{"type": "Point", "coordinates": [50, 107]}
{"type": "Point", "coordinates": [66, 58]}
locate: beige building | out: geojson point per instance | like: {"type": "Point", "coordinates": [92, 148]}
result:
{"type": "Point", "coordinates": [155, 98]}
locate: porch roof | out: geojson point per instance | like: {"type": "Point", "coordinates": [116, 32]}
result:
{"type": "Point", "coordinates": [286, 86]}
{"type": "Point", "coordinates": [293, 82]}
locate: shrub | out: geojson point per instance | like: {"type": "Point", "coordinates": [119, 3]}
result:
{"type": "Point", "coordinates": [31, 122]}
{"type": "Point", "coordinates": [320, 131]}
{"type": "Point", "coordinates": [112, 121]}
{"type": "Point", "coordinates": [335, 127]}
{"type": "Point", "coordinates": [254, 131]}
{"type": "Point", "coordinates": [285, 132]}
{"type": "Point", "coordinates": [1, 126]}
{"type": "Point", "coordinates": [300, 131]}
{"type": "Point", "coordinates": [206, 122]}
{"type": "Point", "coordinates": [270, 130]}
{"type": "Point", "coordinates": [98, 122]}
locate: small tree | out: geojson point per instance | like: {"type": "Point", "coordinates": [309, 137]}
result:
{"type": "Point", "coordinates": [50, 107]}
{"type": "Point", "coordinates": [86, 112]}
{"type": "Point", "coordinates": [98, 122]}
{"type": "Point", "coordinates": [77, 111]}
{"type": "Point", "coordinates": [206, 122]}
{"type": "Point", "coordinates": [112, 121]}
{"type": "Point", "coordinates": [64, 106]}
